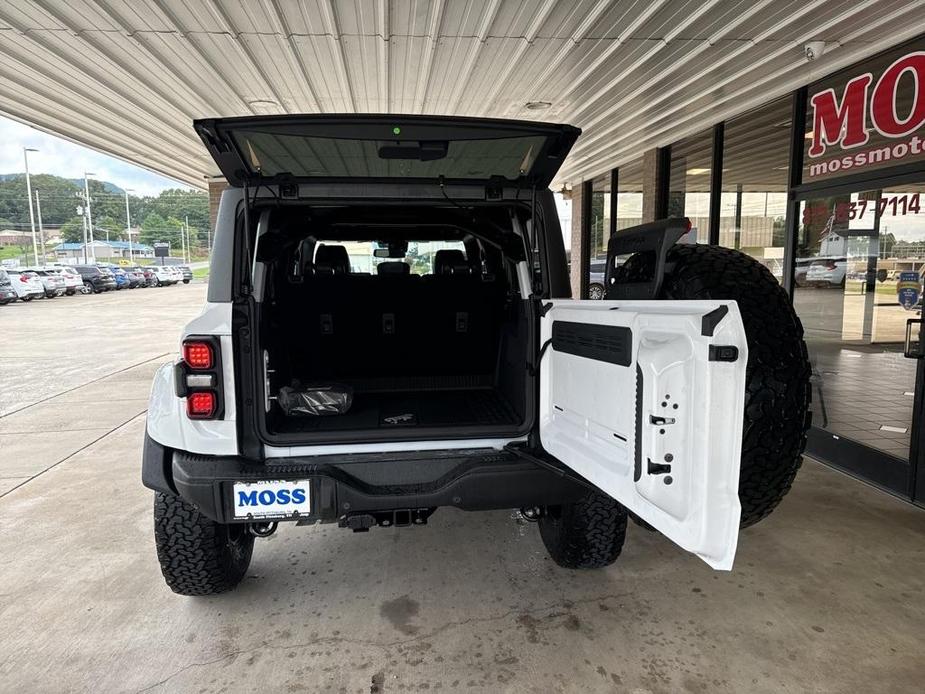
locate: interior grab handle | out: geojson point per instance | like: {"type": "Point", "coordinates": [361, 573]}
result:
{"type": "Point", "coordinates": [912, 348]}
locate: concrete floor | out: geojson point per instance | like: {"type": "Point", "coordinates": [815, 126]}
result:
{"type": "Point", "coordinates": [826, 596]}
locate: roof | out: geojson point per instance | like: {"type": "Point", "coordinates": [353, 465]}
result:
{"type": "Point", "coordinates": [128, 78]}
{"type": "Point", "coordinates": [116, 245]}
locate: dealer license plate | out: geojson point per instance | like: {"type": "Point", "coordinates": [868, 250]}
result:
{"type": "Point", "coordinates": [272, 499]}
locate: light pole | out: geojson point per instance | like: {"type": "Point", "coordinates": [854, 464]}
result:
{"type": "Point", "coordinates": [128, 225]}
{"type": "Point", "coordinates": [35, 245]}
{"type": "Point", "coordinates": [38, 213]}
{"type": "Point", "coordinates": [87, 208]}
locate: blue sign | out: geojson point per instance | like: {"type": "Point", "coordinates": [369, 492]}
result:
{"type": "Point", "coordinates": [908, 289]}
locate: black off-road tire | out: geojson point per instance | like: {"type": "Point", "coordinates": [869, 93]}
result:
{"type": "Point", "coordinates": [586, 534]}
{"type": "Point", "coordinates": [777, 392]}
{"type": "Point", "coordinates": [197, 555]}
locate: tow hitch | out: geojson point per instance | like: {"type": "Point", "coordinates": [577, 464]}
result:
{"type": "Point", "coordinates": [262, 529]}
{"type": "Point", "coordinates": [401, 518]}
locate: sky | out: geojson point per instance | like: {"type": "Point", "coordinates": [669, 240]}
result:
{"type": "Point", "coordinates": [64, 158]}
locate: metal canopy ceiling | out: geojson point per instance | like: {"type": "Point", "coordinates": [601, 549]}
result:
{"type": "Point", "coordinates": [127, 77]}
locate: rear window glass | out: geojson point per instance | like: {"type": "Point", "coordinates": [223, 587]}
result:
{"type": "Point", "coordinates": [420, 255]}
{"type": "Point", "coordinates": [302, 156]}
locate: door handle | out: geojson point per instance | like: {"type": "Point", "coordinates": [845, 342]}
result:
{"type": "Point", "coordinates": [913, 348]}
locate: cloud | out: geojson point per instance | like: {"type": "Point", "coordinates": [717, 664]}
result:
{"type": "Point", "coordinates": [63, 158]}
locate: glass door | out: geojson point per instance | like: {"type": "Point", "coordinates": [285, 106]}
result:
{"type": "Point", "coordinates": [859, 263]}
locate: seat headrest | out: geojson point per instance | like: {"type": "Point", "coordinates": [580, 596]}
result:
{"type": "Point", "coordinates": [450, 261]}
{"type": "Point", "coordinates": [332, 260]}
{"type": "Point", "coordinates": [393, 267]}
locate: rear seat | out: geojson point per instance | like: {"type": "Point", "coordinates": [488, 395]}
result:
{"type": "Point", "coordinates": [395, 323]}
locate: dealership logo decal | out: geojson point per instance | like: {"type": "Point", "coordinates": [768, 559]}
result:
{"type": "Point", "coordinates": [842, 120]}
{"type": "Point", "coordinates": [270, 498]}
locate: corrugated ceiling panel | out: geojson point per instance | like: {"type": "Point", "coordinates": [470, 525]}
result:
{"type": "Point", "coordinates": [165, 62]}
{"type": "Point", "coordinates": [25, 15]}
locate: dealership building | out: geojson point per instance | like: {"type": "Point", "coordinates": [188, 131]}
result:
{"type": "Point", "coordinates": [790, 130]}
{"type": "Point", "coordinates": [825, 186]}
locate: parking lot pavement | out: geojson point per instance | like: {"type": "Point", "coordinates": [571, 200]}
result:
{"type": "Point", "coordinates": [827, 594]}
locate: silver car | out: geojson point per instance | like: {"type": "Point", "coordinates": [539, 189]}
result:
{"type": "Point", "coordinates": [52, 282]}
{"type": "Point", "coordinates": [26, 284]}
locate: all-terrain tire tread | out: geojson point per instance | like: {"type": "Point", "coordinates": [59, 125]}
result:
{"type": "Point", "coordinates": [194, 552]}
{"type": "Point", "coordinates": [586, 534]}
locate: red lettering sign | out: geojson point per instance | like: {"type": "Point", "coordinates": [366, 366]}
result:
{"type": "Point", "coordinates": [845, 123]}
{"type": "Point", "coordinates": [884, 99]}
{"type": "Point", "coordinates": [870, 113]}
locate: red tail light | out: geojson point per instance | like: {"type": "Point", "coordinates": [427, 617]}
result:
{"type": "Point", "coordinates": [198, 355]}
{"type": "Point", "coordinates": [830, 265]}
{"type": "Point", "coordinates": [201, 404]}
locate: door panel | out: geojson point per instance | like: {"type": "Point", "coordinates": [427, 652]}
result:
{"type": "Point", "coordinates": [853, 250]}
{"type": "Point", "coordinates": [633, 398]}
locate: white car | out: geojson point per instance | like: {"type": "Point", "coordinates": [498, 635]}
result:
{"type": "Point", "coordinates": [163, 275]}
{"type": "Point", "coordinates": [310, 393]}
{"type": "Point", "coordinates": [827, 272]}
{"type": "Point", "coordinates": [73, 282]}
{"type": "Point", "coordinates": [51, 281]}
{"type": "Point", "coordinates": [26, 284]}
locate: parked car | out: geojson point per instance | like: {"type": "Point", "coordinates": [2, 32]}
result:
{"type": "Point", "coordinates": [145, 275]}
{"type": "Point", "coordinates": [187, 274]}
{"type": "Point", "coordinates": [7, 293]}
{"type": "Point", "coordinates": [73, 283]}
{"type": "Point", "coordinates": [163, 276]}
{"type": "Point", "coordinates": [827, 272]}
{"type": "Point", "coordinates": [118, 274]}
{"type": "Point", "coordinates": [97, 279]}
{"type": "Point", "coordinates": [27, 285]}
{"type": "Point", "coordinates": [136, 278]}
{"type": "Point", "coordinates": [51, 281]}
{"type": "Point", "coordinates": [596, 286]}
{"type": "Point", "coordinates": [801, 266]}
{"type": "Point", "coordinates": [176, 273]}
{"type": "Point", "coordinates": [587, 413]}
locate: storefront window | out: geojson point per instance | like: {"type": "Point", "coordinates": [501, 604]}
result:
{"type": "Point", "coordinates": [600, 216]}
{"type": "Point", "coordinates": [629, 195]}
{"type": "Point", "coordinates": [868, 117]}
{"type": "Point", "coordinates": [753, 203]}
{"type": "Point", "coordinates": [855, 252]}
{"type": "Point", "coordinates": [689, 183]}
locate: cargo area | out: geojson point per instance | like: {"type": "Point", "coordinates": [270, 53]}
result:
{"type": "Point", "coordinates": [423, 325]}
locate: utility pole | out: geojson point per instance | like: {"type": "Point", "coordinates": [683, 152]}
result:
{"type": "Point", "coordinates": [128, 227]}
{"type": "Point", "coordinates": [35, 246]}
{"type": "Point", "coordinates": [38, 211]}
{"type": "Point", "coordinates": [189, 251]}
{"type": "Point", "coordinates": [89, 218]}
{"type": "Point", "coordinates": [83, 218]}
{"type": "Point", "coordinates": [183, 243]}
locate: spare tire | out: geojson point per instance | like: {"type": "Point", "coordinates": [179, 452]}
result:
{"type": "Point", "coordinates": [777, 392]}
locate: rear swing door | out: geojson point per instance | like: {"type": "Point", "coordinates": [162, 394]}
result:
{"type": "Point", "coordinates": [645, 400]}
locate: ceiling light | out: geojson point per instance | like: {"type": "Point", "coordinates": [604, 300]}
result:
{"type": "Point", "coordinates": [537, 105]}
{"type": "Point", "coordinates": [697, 172]}
{"type": "Point", "coordinates": [809, 135]}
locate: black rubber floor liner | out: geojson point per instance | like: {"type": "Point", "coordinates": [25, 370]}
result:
{"type": "Point", "coordinates": [427, 409]}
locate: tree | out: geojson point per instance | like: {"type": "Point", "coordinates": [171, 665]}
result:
{"type": "Point", "coordinates": [115, 227]}
{"type": "Point", "coordinates": [155, 228]}
{"type": "Point", "coordinates": [73, 230]}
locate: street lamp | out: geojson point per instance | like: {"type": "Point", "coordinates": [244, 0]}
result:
{"type": "Point", "coordinates": [87, 207]}
{"type": "Point", "coordinates": [128, 224]}
{"type": "Point", "coordinates": [35, 245]}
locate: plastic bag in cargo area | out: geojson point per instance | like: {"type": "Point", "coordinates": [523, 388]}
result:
{"type": "Point", "coordinates": [315, 400]}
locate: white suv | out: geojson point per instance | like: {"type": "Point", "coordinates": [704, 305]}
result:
{"type": "Point", "coordinates": [389, 330]}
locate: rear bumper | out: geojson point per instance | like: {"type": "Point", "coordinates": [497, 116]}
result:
{"type": "Point", "coordinates": [476, 479]}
